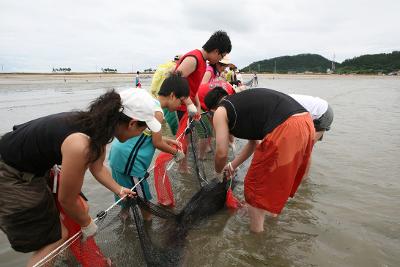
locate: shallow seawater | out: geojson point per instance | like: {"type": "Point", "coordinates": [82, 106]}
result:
{"type": "Point", "coordinates": [344, 214]}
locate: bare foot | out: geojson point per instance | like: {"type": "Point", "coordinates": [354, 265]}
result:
{"type": "Point", "coordinates": [124, 214]}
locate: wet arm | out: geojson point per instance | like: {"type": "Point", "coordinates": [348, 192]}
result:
{"type": "Point", "coordinates": [74, 157]}
{"type": "Point", "coordinates": [159, 142]}
{"type": "Point", "coordinates": [220, 122]}
{"type": "Point", "coordinates": [102, 174]}
{"type": "Point", "coordinates": [187, 66]}
{"type": "Point", "coordinates": [245, 153]}
{"type": "Point", "coordinates": [206, 77]}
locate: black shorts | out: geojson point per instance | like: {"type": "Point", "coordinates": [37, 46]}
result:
{"type": "Point", "coordinates": [324, 122]}
{"type": "Point", "coordinates": [28, 213]}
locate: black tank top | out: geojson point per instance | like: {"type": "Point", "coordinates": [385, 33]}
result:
{"type": "Point", "coordinates": [254, 113]}
{"type": "Point", "coordinates": [35, 146]}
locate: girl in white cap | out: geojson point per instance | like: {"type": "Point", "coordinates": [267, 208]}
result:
{"type": "Point", "coordinates": [75, 140]}
{"type": "Point", "coordinates": [130, 160]}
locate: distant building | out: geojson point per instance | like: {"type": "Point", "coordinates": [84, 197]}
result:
{"type": "Point", "coordinates": [329, 71]}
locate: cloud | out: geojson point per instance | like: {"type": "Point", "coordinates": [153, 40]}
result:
{"type": "Point", "coordinates": [131, 35]}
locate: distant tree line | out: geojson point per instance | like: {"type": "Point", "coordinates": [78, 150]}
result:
{"type": "Point", "coordinates": [61, 69]}
{"type": "Point", "coordinates": [365, 64]}
{"type": "Point", "coordinates": [108, 70]}
{"type": "Point", "coordinates": [285, 64]}
{"type": "Point", "coordinates": [372, 64]}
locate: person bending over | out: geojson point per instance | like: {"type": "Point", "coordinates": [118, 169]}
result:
{"type": "Point", "coordinates": [130, 160]}
{"type": "Point", "coordinates": [76, 140]}
{"type": "Point", "coordinates": [280, 136]}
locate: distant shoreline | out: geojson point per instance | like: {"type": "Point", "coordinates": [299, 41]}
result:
{"type": "Point", "coordinates": [70, 73]}
{"type": "Point", "coordinates": [112, 78]}
{"type": "Point", "coordinates": [149, 74]}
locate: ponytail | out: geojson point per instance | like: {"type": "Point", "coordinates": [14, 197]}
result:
{"type": "Point", "coordinates": [100, 122]}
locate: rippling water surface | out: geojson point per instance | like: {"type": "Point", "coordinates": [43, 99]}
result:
{"type": "Point", "coordinates": [345, 214]}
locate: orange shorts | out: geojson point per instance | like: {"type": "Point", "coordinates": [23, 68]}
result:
{"type": "Point", "coordinates": [279, 164]}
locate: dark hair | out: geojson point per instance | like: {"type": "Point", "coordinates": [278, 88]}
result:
{"type": "Point", "coordinates": [214, 96]}
{"type": "Point", "coordinates": [100, 122]}
{"type": "Point", "coordinates": [219, 40]}
{"type": "Point", "coordinates": [176, 84]}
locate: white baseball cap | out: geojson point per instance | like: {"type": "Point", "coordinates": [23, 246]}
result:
{"type": "Point", "coordinates": [225, 60]}
{"type": "Point", "coordinates": [138, 104]}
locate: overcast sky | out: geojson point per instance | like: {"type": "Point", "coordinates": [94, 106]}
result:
{"type": "Point", "coordinates": [36, 35]}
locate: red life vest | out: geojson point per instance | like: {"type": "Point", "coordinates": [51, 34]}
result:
{"type": "Point", "coordinates": [196, 76]}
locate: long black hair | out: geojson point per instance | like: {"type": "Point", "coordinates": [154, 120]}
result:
{"type": "Point", "coordinates": [100, 122]}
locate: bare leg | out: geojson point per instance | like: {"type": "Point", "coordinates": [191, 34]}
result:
{"type": "Point", "coordinates": [202, 148]}
{"type": "Point", "coordinates": [209, 148]}
{"type": "Point", "coordinates": [146, 215]}
{"type": "Point", "coordinates": [307, 168]}
{"type": "Point", "coordinates": [41, 253]}
{"type": "Point", "coordinates": [183, 166]}
{"type": "Point", "coordinates": [257, 217]}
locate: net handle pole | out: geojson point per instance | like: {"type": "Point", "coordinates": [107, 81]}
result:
{"type": "Point", "coordinates": [77, 235]}
{"type": "Point", "coordinates": [58, 250]}
{"type": "Point", "coordinates": [103, 213]}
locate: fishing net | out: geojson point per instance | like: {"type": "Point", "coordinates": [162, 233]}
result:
{"type": "Point", "coordinates": [122, 233]}
{"type": "Point", "coordinates": [191, 134]}
{"type": "Point", "coordinates": [162, 182]}
{"type": "Point", "coordinates": [124, 238]}
{"type": "Point", "coordinates": [198, 141]}
{"type": "Point", "coordinates": [163, 165]}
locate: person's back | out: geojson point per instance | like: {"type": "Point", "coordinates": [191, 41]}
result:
{"type": "Point", "coordinates": [162, 72]}
{"type": "Point", "coordinates": [315, 105]}
{"type": "Point", "coordinates": [254, 113]}
{"type": "Point", "coordinates": [320, 110]}
{"type": "Point", "coordinates": [280, 137]}
{"type": "Point", "coordinates": [35, 146]}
